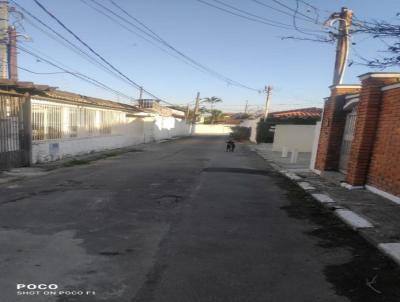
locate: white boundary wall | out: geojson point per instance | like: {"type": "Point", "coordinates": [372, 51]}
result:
{"type": "Point", "coordinates": [294, 137]}
{"type": "Point", "coordinates": [201, 129]}
{"type": "Point", "coordinates": [127, 132]}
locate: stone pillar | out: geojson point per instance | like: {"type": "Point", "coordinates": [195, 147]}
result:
{"type": "Point", "coordinates": [367, 120]}
{"type": "Point", "coordinates": [332, 127]}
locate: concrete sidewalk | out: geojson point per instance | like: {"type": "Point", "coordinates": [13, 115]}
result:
{"type": "Point", "coordinates": [374, 217]}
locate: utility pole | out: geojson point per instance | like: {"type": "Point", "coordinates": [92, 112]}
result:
{"type": "Point", "coordinates": [196, 108]}
{"type": "Point", "coordinates": [246, 106]}
{"type": "Point", "coordinates": [343, 43]}
{"type": "Point", "coordinates": [4, 39]}
{"type": "Point", "coordinates": [12, 54]}
{"type": "Point", "coordinates": [268, 90]}
{"type": "Point", "coordinates": [140, 93]}
{"type": "Point", "coordinates": [187, 112]}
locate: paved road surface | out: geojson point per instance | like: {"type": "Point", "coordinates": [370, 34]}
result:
{"type": "Point", "coordinates": [181, 221]}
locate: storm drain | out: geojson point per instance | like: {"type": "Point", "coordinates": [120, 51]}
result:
{"type": "Point", "coordinates": [238, 170]}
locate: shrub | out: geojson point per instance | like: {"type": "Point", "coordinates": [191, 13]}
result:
{"type": "Point", "coordinates": [240, 133]}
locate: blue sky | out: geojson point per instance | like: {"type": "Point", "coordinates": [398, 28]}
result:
{"type": "Point", "coordinates": [251, 53]}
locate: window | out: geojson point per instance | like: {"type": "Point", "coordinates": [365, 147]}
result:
{"type": "Point", "coordinates": [55, 121]}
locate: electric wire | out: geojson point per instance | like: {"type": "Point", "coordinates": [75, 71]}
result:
{"type": "Point", "coordinates": [256, 16]}
{"type": "Point", "coordinates": [56, 36]}
{"type": "Point", "coordinates": [136, 33]}
{"type": "Point", "coordinates": [292, 9]}
{"type": "Point", "coordinates": [279, 10]}
{"type": "Point", "coordinates": [139, 87]}
{"type": "Point", "coordinates": [75, 74]}
{"type": "Point", "coordinates": [153, 35]}
{"type": "Point", "coordinates": [35, 72]}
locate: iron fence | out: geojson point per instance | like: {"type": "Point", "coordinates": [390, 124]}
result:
{"type": "Point", "coordinates": [12, 136]}
{"type": "Point", "coordinates": [58, 121]}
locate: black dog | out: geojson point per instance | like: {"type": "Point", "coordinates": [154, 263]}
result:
{"type": "Point", "coordinates": [230, 146]}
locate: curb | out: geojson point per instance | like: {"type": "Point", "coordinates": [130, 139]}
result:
{"type": "Point", "coordinates": [348, 217]}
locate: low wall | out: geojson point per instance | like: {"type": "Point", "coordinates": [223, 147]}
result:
{"type": "Point", "coordinates": [168, 127]}
{"type": "Point", "coordinates": [136, 131]}
{"type": "Point", "coordinates": [201, 129]}
{"type": "Point", "coordinates": [294, 137]}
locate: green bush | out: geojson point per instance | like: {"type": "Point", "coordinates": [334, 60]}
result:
{"type": "Point", "coordinates": [264, 135]}
{"type": "Point", "coordinates": [240, 133]}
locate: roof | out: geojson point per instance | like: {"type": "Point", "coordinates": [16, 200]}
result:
{"type": "Point", "coordinates": [23, 86]}
{"type": "Point", "coordinates": [49, 93]}
{"type": "Point", "coordinates": [84, 100]}
{"type": "Point", "coordinates": [52, 93]}
{"type": "Point", "coordinates": [311, 112]}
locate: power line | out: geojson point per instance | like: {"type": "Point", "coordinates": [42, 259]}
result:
{"type": "Point", "coordinates": [253, 15]}
{"type": "Point", "coordinates": [245, 17]}
{"type": "Point", "coordinates": [250, 14]}
{"type": "Point", "coordinates": [279, 10]}
{"type": "Point", "coordinates": [34, 72]}
{"type": "Point", "coordinates": [94, 52]}
{"type": "Point", "coordinates": [75, 74]}
{"type": "Point", "coordinates": [292, 9]}
{"type": "Point", "coordinates": [136, 33]}
{"type": "Point", "coordinates": [153, 35]}
{"type": "Point", "coordinates": [54, 35]}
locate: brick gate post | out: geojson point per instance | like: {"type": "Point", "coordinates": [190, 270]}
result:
{"type": "Point", "coordinates": [332, 127]}
{"type": "Point", "coordinates": [367, 120]}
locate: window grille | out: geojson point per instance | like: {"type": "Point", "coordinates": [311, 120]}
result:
{"type": "Point", "coordinates": [56, 121]}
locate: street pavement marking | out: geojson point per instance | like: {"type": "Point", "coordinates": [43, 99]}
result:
{"type": "Point", "coordinates": [353, 219]}
{"type": "Point", "coordinates": [323, 198]}
{"type": "Point", "coordinates": [306, 186]}
{"type": "Point", "coordinates": [391, 249]}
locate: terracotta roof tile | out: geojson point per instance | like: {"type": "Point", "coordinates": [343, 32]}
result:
{"type": "Point", "coordinates": [311, 112]}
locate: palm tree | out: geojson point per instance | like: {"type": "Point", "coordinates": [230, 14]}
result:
{"type": "Point", "coordinates": [215, 115]}
{"type": "Point", "coordinates": [212, 101]}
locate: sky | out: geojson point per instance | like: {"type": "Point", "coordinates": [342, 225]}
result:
{"type": "Point", "coordinates": [248, 52]}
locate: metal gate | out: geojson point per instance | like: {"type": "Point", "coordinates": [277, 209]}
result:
{"type": "Point", "coordinates": [14, 124]}
{"type": "Point", "coordinates": [348, 136]}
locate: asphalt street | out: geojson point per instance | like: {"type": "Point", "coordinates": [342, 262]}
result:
{"type": "Point", "coordinates": [181, 221]}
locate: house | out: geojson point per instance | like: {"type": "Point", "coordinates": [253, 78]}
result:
{"type": "Point", "coordinates": [360, 134]}
{"type": "Point", "coordinates": [291, 129]}
{"type": "Point", "coordinates": [40, 123]}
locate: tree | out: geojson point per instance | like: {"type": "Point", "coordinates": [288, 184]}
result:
{"type": "Point", "coordinates": [212, 101]}
{"type": "Point", "coordinates": [215, 115]}
{"type": "Point", "coordinates": [387, 33]}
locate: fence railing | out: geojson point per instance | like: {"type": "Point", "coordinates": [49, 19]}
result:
{"type": "Point", "coordinates": [14, 122]}
{"type": "Point", "coordinates": [57, 120]}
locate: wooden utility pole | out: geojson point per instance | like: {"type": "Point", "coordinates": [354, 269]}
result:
{"type": "Point", "coordinates": [268, 90]}
{"type": "Point", "coordinates": [343, 43]}
{"type": "Point", "coordinates": [196, 108]}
